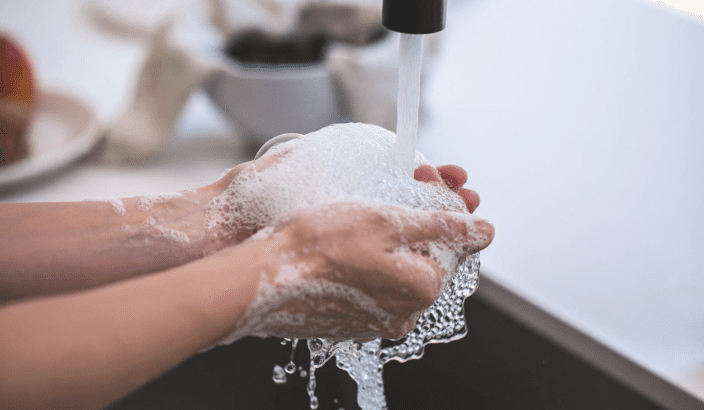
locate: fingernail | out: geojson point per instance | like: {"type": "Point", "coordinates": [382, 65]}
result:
{"type": "Point", "coordinates": [484, 227]}
{"type": "Point", "coordinates": [453, 175]}
{"type": "Point", "coordinates": [451, 182]}
{"type": "Point", "coordinates": [427, 173]}
{"type": "Point", "coordinates": [470, 198]}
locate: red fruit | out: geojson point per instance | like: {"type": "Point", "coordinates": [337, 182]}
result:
{"type": "Point", "coordinates": [17, 101]}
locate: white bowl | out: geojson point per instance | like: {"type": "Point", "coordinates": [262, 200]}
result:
{"type": "Point", "coordinates": [266, 101]}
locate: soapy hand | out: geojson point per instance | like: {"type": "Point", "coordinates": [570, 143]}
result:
{"type": "Point", "coordinates": [360, 271]}
{"type": "Point", "coordinates": [452, 177]}
{"type": "Point", "coordinates": [345, 270]}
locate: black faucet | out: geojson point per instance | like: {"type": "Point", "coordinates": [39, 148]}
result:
{"type": "Point", "coordinates": [414, 16]}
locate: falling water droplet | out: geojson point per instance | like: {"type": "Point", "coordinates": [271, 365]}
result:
{"type": "Point", "coordinates": [279, 376]}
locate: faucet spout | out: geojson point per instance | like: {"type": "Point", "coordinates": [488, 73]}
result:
{"type": "Point", "coordinates": [414, 16]}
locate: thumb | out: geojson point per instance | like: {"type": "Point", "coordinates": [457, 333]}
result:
{"type": "Point", "coordinates": [455, 229]}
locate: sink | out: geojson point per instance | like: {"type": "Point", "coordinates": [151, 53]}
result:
{"type": "Point", "coordinates": [515, 356]}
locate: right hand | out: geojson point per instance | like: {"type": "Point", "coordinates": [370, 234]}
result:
{"type": "Point", "coordinates": [375, 256]}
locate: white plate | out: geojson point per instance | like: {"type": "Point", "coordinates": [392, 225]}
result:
{"type": "Point", "coordinates": [62, 131]}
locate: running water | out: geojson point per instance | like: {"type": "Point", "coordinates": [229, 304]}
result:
{"type": "Point", "coordinates": [408, 103]}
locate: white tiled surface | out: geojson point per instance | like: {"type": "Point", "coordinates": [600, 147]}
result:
{"type": "Point", "coordinates": [581, 124]}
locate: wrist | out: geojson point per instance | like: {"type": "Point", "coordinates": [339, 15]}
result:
{"type": "Point", "coordinates": [225, 285]}
{"type": "Point", "coordinates": [172, 227]}
{"type": "Point", "coordinates": [166, 230]}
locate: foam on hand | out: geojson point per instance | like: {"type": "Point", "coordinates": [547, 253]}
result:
{"type": "Point", "coordinates": [343, 163]}
{"type": "Point", "coordinates": [146, 202]}
{"type": "Point", "coordinates": [117, 205]}
{"type": "Point", "coordinates": [339, 163]}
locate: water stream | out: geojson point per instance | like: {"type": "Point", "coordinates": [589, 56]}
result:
{"type": "Point", "coordinates": [408, 104]}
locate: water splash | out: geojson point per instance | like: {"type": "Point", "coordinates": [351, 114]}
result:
{"type": "Point", "coordinates": [290, 367]}
{"type": "Point", "coordinates": [442, 322]}
{"type": "Point", "coordinates": [279, 375]}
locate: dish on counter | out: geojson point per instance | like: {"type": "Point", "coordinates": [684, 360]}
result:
{"type": "Point", "coordinates": [62, 131]}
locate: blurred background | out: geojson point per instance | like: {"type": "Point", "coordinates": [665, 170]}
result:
{"type": "Point", "coordinates": [580, 123]}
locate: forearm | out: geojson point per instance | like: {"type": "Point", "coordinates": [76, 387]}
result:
{"type": "Point", "coordinates": [55, 247]}
{"type": "Point", "coordinates": [88, 349]}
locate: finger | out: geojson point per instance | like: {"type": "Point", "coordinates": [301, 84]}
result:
{"type": "Point", "coordinates": [407, 283]}
{"type": "Point", "coordinates": [427, 173]}
{"type": "Point", "coordinates": [226, 179]}
{"type": "Point", "coordinates": [455, 229]}
{"type": "Point", "coordinates": [231, 174]}
{"type": "Point", "coordinates": [470, 198]}
{"type": "Point", "coordinates": [454, 176]}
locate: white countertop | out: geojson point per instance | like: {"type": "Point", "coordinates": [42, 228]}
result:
{"type": "Point", "coordinates": [581, 125]}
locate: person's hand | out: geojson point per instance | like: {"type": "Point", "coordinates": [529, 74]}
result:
{"type": "Point", "coordinates": [452, 177]}
{"type": "Point", "coordinates": [359, 271]}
